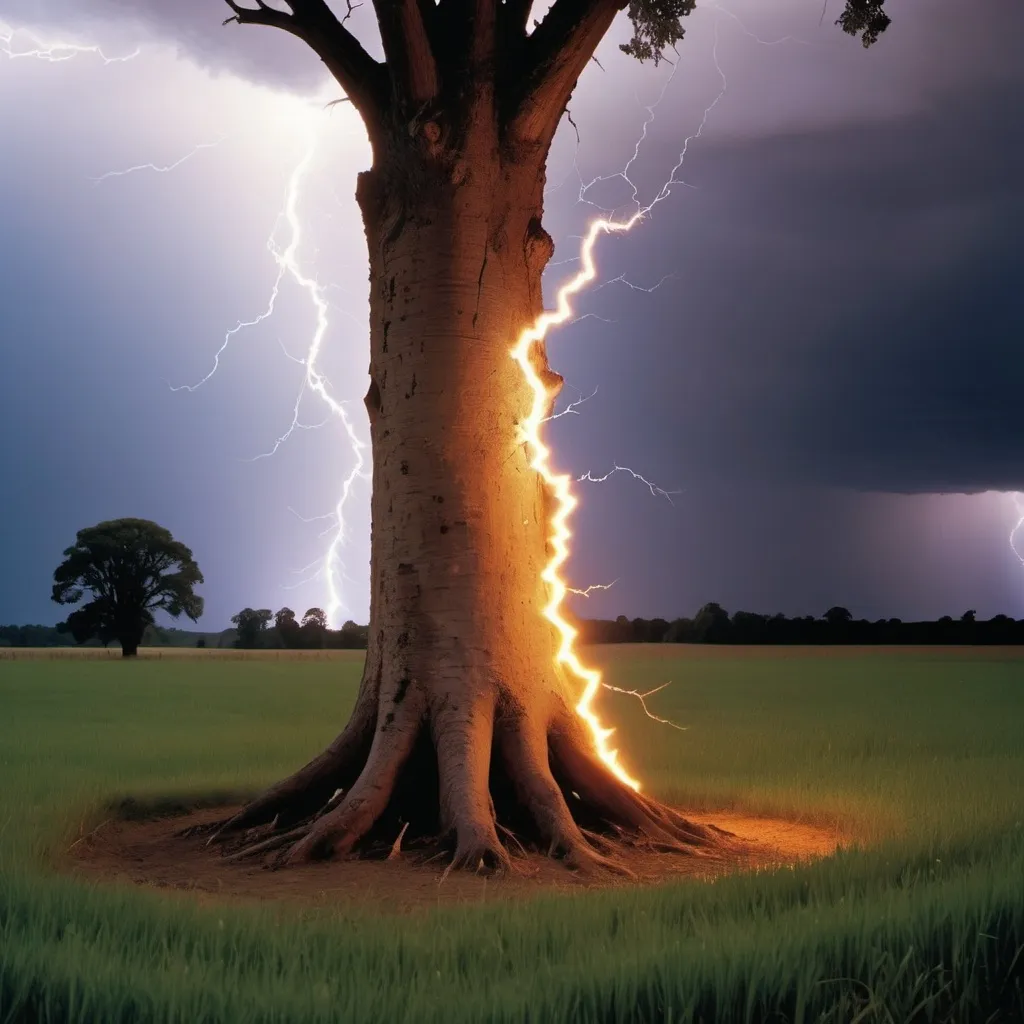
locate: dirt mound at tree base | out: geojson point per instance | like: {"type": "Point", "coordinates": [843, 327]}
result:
{"type": "Point", "coordinates": [154, 853]}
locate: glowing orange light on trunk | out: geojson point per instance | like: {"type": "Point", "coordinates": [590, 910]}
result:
{"type": "Point", "coordinates": [560, 485]}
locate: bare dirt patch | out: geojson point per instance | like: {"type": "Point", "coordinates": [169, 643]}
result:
{"type": "Point", "coordinates": [155, 853]}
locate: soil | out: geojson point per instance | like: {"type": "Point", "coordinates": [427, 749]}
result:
{"type": "Point", "coordinates": [155, 853]}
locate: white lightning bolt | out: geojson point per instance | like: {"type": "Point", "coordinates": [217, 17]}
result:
{"type": "Point", "coordinates": [59, 50]}
{"type": "Point", "coordinates": [50, 50]}
{"type": "Point", "coordinates": [656, 491]}
{"type": "Point", "coordinates": [313, 381]}
{"type": "Point", "coordinates": [608, 224]}
{"type": "Point", "coordinates": [572, 409]}
{"type": "Point", "coordinates": [563, 314]}
{"type": "Point", "coordinates": [642, 698]}
{"type": "Point", "coordinates": [587, 591]}
{"type": "Point", "coordinates": [160, 168]}
{"type": "Point", "coordinates": [560, 484]}
{"type": "Point", "coordinates": [1018, 503]}
{"type": "Point", "coordinates": [646, 289]}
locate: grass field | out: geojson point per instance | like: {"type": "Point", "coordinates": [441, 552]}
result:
{"type": "Point", "coordinates": [919, 753]}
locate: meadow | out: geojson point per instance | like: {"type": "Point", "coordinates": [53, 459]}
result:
{"type": "Point", "coordinates": [917, 754]}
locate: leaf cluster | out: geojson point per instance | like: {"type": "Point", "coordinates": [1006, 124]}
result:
{"type": "Point", "coordinates": [657, 24]}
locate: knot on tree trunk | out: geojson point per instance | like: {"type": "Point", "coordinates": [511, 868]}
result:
{"type": "Point", "coordinates": [539, 245]}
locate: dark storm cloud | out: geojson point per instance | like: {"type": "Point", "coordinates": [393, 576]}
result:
{"type": "Point", "coordinates": [194, 27]}
{"type": "Point", "coordinates": [849, 308]}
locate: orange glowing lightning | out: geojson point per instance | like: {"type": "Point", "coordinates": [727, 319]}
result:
{"type": "Point", "coordinates": [560, 484]}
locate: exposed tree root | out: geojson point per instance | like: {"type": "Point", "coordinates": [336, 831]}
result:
{"type": "Point", "coordinates": [263, 846]}
{"type": "Point", "coordinates": [484, 787]}
{"type": "Point", "coordinates": [307, 791]}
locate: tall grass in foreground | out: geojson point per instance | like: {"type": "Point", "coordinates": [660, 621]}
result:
{"type": "Point", "coordinates": [920, 754]}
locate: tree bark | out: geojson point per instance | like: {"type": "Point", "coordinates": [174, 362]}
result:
{"type": "Point", "coordinates": [464, 724]}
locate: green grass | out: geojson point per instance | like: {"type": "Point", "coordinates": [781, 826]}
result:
{"type": "Point", "coordinates": [919, 753]}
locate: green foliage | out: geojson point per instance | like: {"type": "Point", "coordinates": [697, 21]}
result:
{"type": "Point", "coordinates": [711, 625]}
{"type": "Point", "coordinates": [922, 753]}
{"type": "Point", "coordinates": [657, 27]}
{"type": "Point", "coordinates": [287, 628]}
{"type": "Point", "coordinates": [657, 24]}
{"type": "Point", "coordinates": [314, 628]}
{"type": "Point", "coordinates": [837, 615]}
{"type": "Point", "coordinates": [251, 624]}
{"type": "Point", "coordinates": [131, 567]}
{"type": "Point", "coordinates": [864, 18]}
{"type": "Point", "coordinates": [315, 617]}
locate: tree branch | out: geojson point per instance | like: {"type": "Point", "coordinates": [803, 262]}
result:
{"type": "Point", "coordinates": [407, 50]}
{"type": "Point", "coordinates": [481, 48]}
{"type": "Point", "coordinates": [363, 79]}
{"type": "Point", "coordinates": [557, 53]}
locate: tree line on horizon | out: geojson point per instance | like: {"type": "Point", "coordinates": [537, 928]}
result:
{"type": "Point", "coordinates": [261, 629]}
{"type": "Point", "coordinates": [714, 625]}
{"type": "Point", "coordinates": [131, 568]}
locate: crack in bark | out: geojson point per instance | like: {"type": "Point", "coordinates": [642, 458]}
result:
{"type": "Point", "coordinates": [480, 283]}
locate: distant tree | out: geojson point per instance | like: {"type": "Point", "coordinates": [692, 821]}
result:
{"type": "Point", "coordinates": [349, 638]}
{"type": "Point", "coordinates": [315, 617]}
{"type": "Point", "coordinates": [837, 616]}
{"type": "Point", "coordinates": [969, 616]}
{"type": "Point", "coordinates": [656, 630]}
{"type": "Point", "coordinates": [711, 626]}
{"type": "Point", "coordinates": [201, 642]}
{"type": "Point", "coordinates": [314, 628]}
{"type": "Point", "coordinates": [33, 636]}
{"type": "Point", "coordinates": [680, 631]}
{"type": "Point", "coordinates": [747, 628]}
{"type": "Point", "coordinates": [131, 567]}
{"type": "Point", "coordinates": [251, 623]}
{"type": "Point", "coordinates": [287, 628]}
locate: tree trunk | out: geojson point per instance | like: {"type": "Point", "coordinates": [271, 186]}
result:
{"type": "Point", "coordinates": [464, 723]}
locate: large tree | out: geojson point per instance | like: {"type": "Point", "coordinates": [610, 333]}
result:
{"type": "Point", "coordinates": [131, 567]}
{"type": "Point", "coordinates": [465, 724]}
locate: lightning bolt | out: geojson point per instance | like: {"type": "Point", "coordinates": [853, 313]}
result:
{"type": "Point", "coordinates": [313, 382]}
{"type": "Point", "coordinates": [160, 168]}
{"type": "Point", "coordinates": [561, 484]}
{"type": "Point", "coordinates": [642, 698]}
{"type": "Point", "coordinates": [655, 490]}
{"type": "Point", "coordinates": [573, 408]}
{"type": "Point", "coordinates": [1018, 503]}
{"type": "Point", "coordinates": [51, 51]}
{"type": "Point", "coordinates": [525, 352]}
{"type": "Point", "coordinates": [587, 591]}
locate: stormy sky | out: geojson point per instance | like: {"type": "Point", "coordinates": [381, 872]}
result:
{"type": "Point", "coordinates": [826, 377]}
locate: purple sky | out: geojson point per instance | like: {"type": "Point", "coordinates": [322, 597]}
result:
{"type": "Point", "coordinates": [828, 374]}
